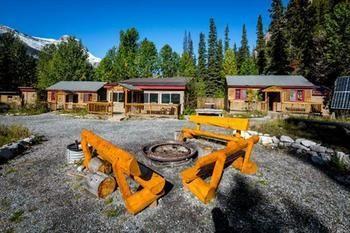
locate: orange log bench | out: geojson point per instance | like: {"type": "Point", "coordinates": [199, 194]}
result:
{"type": "Point", "coordinates": [191, 177]}
{"type": "Point", "coordinates": [125, 165]}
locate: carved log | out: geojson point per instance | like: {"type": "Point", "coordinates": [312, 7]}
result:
{"type": "Point", "coordinates": [100, 184]}
{"type": "Point", "coordinates": [98, 165]}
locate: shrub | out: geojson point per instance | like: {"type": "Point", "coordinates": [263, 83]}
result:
{"type": "Point", "coordinates": [12, 133]}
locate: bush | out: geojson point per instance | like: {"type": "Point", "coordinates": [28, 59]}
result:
{"type": "Point", "coordinates": [12, 133]}
{"type": "Point", "coordinates": [30, 109]}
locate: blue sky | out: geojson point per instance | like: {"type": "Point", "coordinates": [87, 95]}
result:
{"type": "Point", "coordinates": [97, 23]}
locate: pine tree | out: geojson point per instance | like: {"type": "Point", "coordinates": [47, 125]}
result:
{"type": "Point", "coordinates": [106, 69]}
{"type": "Point", "coordinates": [67, 62]}
{"type": "Point", "coordinates": [127, 50]}
{"type": "Point", "coordinates": [146, 59]}
{"type": "Point", "coordinates": [213, 74]}
{"type": "Point", "coordinates": [202, 58]}
{"type": "Point", "coordinates": [279, 63]}
{"type": "Point", "coordinates": [185, 43]}
{"type": "Point", "coordinates": [187, 67]}
{"type": "Point", "coordinates": [227, 38]}
{"type": "Point", "coordinates": [260, 49]}
{"type": "Point", "coordinates": [248, 67]}
{"type": "Point", "coordinates": [243, 52]}
{"type": "Point", "coordinates": [338, 40]}
{"type": "Point", "coordinates": [230, 64]}
{"type": "Point", "coordinates": [168, 62]}
{"type": "Point", "coordinates": [190, 46]}
{"type": "Point", "coordinates": [17, 68]}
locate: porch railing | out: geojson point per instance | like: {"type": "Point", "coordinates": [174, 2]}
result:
{"type": "Point", "coordinates": [99, 108]}
{"type": "Point", "coordinates": [73, 106]}
{"type": "Point", "coordinates": [152, 109]}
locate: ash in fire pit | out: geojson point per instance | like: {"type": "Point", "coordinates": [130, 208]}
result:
{"type": "Point", "coordinates": [170, 153]}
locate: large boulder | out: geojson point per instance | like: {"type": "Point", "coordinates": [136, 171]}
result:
{"type": "Point", "coordinates": [317, 159]}
{"type": "Point", "coordinates": [299, 146]}
{"type": "Point", "coordinates": [286, 139]}
{"type": "Point", "coordinates": [265, 140]}
{"type": "Point", "coordinates": [318, 148]}
{"type": "Point", "coordinates": [275, 140]}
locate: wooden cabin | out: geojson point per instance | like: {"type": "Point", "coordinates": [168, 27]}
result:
{"type": "Point", "coordinates": [21, 97]}
{"type": "Point", "coordinates": [148, 96]}
{"type": "Point", "coordinates": [276, 93]}
{"type": "Point", "coordinates": [70, 95]}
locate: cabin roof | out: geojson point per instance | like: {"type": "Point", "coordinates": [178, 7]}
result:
{"type": "Point", "coordinates": [269, 80]}
{"type": "Point", "coordinates": [175, 81]}
{"type": "Point", "coordinates": [77, 86]}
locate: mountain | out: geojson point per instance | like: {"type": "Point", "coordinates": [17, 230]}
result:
{"type": "Point", "coordinates": [36, 44]}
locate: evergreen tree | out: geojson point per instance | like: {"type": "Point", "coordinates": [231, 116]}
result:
{"type": "Point", "coordinates": [17, 68]}
{"type": "Point", "coordinates": [202, 58]}
{"type": "Point", "coordinates": [146, 59]}
{"type": "Point", "coordinates": [168, 62]}
{"type": "Point", "coordinates": [67, 62]}
{"type": "Point", "coordinates": [187, 67]}
{"type": "Point", "coordinates": [243, 52]}
{"type": "Point", "coordinates": [227, 38]}
{"type": "Point", "coordinates": [106, 70]}
{"type": "Point", "coordinates": [235, 50]}
{"type": "Point", "coordinates": [338, 40]}
{"type": "Point", "coordinates": [260, 49]}
{"type": "Point", "coordinates": [213, 73]}
{"type": "Point", "coordinates": [125, 60]}
{"type": "Point", "coordinates": [185, 43]}
{"type": "Point", "coordinates": [248, 67]}
{"type": "Point", "coordinates": [190, 46]}
{"type": "Point", "coordinates": [279, 63]}
{"type": "Point", "coordinates": [230, 64]}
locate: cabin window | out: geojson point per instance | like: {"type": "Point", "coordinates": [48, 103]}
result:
{"type": "Point", "coordinates": [118, 97]}
{"type": "Point", "coordinates": [53, 96]}
{"type": "Point", "coordinates": [87, 98]}
{"type": "Point", "coordinates": [240, 94]}
{"type": "Point", "coordinates": [165, 98]}
{"type": "Point", "coordinates": [146, 97]}
{"type": "Point", "coordinates": [153, 98]}
{"type": "Point", "coordinates": [175, 98]}
{"type": "Point", "coordinates": [296, 95]}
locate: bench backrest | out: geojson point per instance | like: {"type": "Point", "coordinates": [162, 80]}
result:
{"type": "Point", "coordinates": [224, 122]}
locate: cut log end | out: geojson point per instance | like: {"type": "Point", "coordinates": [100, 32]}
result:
{"type": "Point", "coordinates": [100, 184]}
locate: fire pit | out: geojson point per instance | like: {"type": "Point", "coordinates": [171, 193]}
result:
{"type": "Point", "coordinates": [169, 153]}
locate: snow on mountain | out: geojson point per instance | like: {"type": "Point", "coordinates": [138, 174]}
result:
{"type": "Point", "coordinates": [36, 44]}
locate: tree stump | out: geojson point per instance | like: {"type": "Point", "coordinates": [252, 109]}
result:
{"type": "Point", "coordinates": [100, 184]}
{"type": "Point", "coordinates": [98, 165]}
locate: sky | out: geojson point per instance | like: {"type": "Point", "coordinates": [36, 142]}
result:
{"type": "Point", "coordinates": [98, 23]}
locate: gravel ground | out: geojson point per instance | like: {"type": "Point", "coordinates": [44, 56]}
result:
{"type": "Point", "coordinates": [39, 195]}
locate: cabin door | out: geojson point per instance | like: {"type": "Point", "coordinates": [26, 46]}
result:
{"type": "Point", "coordinates": [118, 102]}
{"type": "Point", "coordinates": [274, 100]}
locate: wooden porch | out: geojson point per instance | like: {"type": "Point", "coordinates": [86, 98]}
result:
{"type": "Point", "coordinates": [150, 109]}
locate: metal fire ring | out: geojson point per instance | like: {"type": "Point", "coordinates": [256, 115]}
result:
{"type": "Point", "coordinates": [169, 151]}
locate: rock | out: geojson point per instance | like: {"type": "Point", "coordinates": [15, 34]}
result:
{"type": "Point", "coordinates": [252, 132]}
{"type": "Point", "coordinates": [299, 146]}
{"type": "Point", "coordinates": [6, 153]}
{"type": "Point", "coordinates": [344, 158]}
{"type": "Point", "coordinates": [245, 134]}
{"type": "Point", "coordinates": [317, 160]}
{"type": "Point", "coordinates": [306, 142]}
{"type": "Point", "coordinates": [80, 168]}
{"type": "Point", "coordinates": [318, 148]}
{"type": "Point", "coordinates": [284, 144]}
{"type": "Point", "coordinates": [330, 151]}
{"type": "Point", "coordinates": [265, 140]}
{"type": "Point", "coordinates": [325, 157]}
{"type": "Point", "coordinates": [286, 139]}
{"type": "Point", "coordinates": [275, 140]}
{"type": "Point", "coordinates": [267, 135]}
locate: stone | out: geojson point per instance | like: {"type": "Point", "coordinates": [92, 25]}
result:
{"type": "Point", "coordinates": [330, 151]}
{"type": "Point", "coordinates": [299, 146]}
{"type": "Point", "coordinates": [275, 140]}
{"type": "Point", "coordinates": [80, 168]}
{"type": "Point", "coordinates": [286, 139]}
{"type": "Point", "coordinates": [325, 157]}
{"type": "Point", "coordinates": [245, 135]}
{"type": "Point", "coordinates": [6, 153]}
{"type": "Point", "coordinates": [307, 143]}
{"type": "Point", "coordinates": [318, 148]}
{"type": "Point", "coordinates": [252, 132]}
{"type": "Point", "coordinates": [344, 158]}
{"type": "Point", "coordinates": [267, 135]}
{"type": "Point", "coordinates": [284, 144]}
{"type": "Point", "coordinates": [317, 160]}
{"type": "Point", "coordinates": [266, 140]}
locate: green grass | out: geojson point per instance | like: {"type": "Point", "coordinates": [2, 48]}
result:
{"type": "Point", "coordinates": [17, 216]}
{"type": "Point", "coordinates": [249, 114]}
{"type": "Point", "coordinates": [76, 112]}
{"type": "Point", "coordinates": [108, 201]}
{"type": "Point", "coordinates": [12, 133]}
{"type": "Point", "coordinates": [31, 109]}
{"type": "Point", "coordinates": [112, 213]}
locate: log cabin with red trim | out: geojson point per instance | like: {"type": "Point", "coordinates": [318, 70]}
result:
{"type": "Point", "coordinates": [275, 93]}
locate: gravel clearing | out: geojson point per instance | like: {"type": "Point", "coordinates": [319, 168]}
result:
{"type": "Point", "coordinates": [38, 194]}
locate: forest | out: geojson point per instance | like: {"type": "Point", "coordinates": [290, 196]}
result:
{"type": "Point", "coordinates": [310, 38]}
